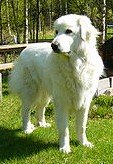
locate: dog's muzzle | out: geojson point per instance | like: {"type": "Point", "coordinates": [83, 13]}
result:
{"type": "Point", "coordinates": [55, 47]}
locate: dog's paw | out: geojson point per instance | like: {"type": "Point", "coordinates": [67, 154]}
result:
{"type": "Point", "coordinates": [29, 129]}
{"type": "Point", "coordinates": [65, 149]}
{"type": "Point", "coordinates": [44, 124]}
{"type": "Point", "coordinates": [88, 144]}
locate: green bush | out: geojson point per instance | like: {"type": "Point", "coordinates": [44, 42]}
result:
{"type": "Point", "coordinates": [102, 107]}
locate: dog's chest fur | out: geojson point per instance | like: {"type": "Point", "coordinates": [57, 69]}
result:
{"type": "Point", "coordinates": [71, 79]}
{"type": "Point", "coordinates": [71, 74]}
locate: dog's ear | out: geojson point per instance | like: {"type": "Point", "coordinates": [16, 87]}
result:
{"type": "Point", "coordinates": [86, 28]}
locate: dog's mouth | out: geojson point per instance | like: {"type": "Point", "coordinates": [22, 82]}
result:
{"type": "Point", "coordinates": [67, 53]}
{"type": "Point", "coordinates": [63, 53]}
{"type": "Point", "coordinates": [58, 51]}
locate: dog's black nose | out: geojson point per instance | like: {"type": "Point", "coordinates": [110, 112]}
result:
{"type": "Point", "coordinates": [55, 47]}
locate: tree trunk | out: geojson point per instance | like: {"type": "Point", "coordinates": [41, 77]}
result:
{"type": "Point", "coordinates": [13, 37]}
{"type": "Point", "coordinates": [33, 29]}
{"type": "Point", "coordinates": [26, 21]}
{"type": "Point", "coordinates": [50, 15]}
{"type": "Point", "coordinates": [30, 22]}
{"type": "Point", "coordinates": [15, 20]}
{"type": "Point", "coordinates": [37, 21]}
{"type": "Point", "coordinates": [1, 23]}
{"type": "Point", "coordinates": [104, 22]}
{"type": "Point", "coordinates": [66, 7]}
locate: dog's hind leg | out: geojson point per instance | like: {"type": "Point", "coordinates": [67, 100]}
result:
{"type": "Point", "coordinates": [28, 127]}
{"type": "Point", "coordinates": [41, 118]}
{"type": "Point", "coordinates": [40, 114]}
{"type": "Point", "coordinates": [28, 98]}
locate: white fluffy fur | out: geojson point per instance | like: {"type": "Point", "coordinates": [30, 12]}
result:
{"type": "Point", "coordinates": [70, 77]}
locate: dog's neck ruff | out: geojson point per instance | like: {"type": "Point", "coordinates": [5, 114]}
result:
{"type": "Point", "coordinates": [74, 56]}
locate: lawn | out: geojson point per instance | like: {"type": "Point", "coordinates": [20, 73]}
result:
{"type": "Point", "coordinates": [41, 147]}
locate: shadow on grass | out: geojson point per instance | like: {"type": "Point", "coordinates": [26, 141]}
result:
{"type": "Point", "coordinates": [14, 146]}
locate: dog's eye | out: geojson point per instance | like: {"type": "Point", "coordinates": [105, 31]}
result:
{"type": "Point", "coordinates": [56, 32]}
{"type": "Point", "coordinates": [68, 31]}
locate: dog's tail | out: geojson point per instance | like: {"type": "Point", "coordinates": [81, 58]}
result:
{"type": "Point", "coordinates": [15, 78]}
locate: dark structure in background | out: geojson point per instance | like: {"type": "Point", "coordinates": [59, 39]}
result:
{"type": "Point", "coordinates": [106, 51]}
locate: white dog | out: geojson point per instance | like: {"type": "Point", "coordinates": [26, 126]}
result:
{"type": "Point", "coordinates": [68, 72]}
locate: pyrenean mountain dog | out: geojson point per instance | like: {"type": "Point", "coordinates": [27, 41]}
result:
{"type": "Point", "coordinates": [67, 70]}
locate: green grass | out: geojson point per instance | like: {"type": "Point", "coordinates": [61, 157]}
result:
{"type": "Point", "coordinates": [41, 147]}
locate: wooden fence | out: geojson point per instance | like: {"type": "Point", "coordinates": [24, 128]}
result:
{"type": "Point", "coordinates": [4, 50]}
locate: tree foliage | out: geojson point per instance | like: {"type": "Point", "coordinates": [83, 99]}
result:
{"type": "Point", "coordinates": [22, 20]}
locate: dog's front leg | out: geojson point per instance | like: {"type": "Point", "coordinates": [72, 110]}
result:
{"type": "Point", "coordinates": [62, 124]}
{"type": "Point", "coordinates": [81, 122]}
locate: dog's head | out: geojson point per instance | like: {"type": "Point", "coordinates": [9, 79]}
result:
{"type": "Point", "coordinates": [71, 31]}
